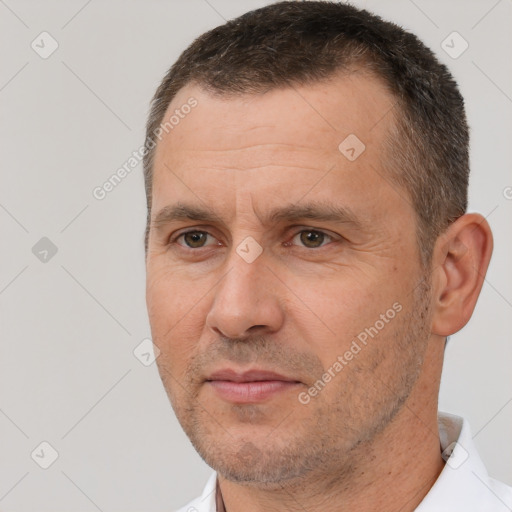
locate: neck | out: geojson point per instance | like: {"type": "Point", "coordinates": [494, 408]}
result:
{"type": "Point", "coordinates": [394, 471]}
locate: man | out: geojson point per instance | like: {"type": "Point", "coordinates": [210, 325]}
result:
{"type": "Point", "coordinates": [308, 252]}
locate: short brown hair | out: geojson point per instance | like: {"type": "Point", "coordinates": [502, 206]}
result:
{"type": "Point", "coordinates": [299, 43]}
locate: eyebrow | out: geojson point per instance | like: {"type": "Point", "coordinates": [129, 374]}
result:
{"type": "Point", "coordinates": [319, 211]}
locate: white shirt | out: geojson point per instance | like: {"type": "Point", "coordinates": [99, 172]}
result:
{"type": "Point", "coordinates": [463, 485]}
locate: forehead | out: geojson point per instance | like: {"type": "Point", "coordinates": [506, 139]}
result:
{"type": "Point", "coordinates": [316, 116]}
{"type": "Point", "coordinates": [321, 139]}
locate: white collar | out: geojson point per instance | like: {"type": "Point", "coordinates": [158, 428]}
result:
{"type": "Point", "coordinates": [462, 486]}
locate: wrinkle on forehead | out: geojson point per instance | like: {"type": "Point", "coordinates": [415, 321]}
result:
{"type": "Point", "coordinates": [305, 115]}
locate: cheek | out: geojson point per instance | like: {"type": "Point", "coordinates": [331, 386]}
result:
{"type": "Point", "coordinates": [161, 301]}
{"type": "Point", "coordinates": [174, 313]}
{"type": "Point", "coordinates": [168, 297]}
{"type": "Point", "coordinates": [331, 317]}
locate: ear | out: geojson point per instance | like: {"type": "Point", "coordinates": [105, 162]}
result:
{"type": "Point", "coordinates": [460, 260]}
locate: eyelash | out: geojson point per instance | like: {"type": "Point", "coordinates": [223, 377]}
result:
{"type": "Point", "coordinates": [174, 239]}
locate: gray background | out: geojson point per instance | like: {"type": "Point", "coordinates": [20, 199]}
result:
{"type": "Point", "coordinates": [70, 324]}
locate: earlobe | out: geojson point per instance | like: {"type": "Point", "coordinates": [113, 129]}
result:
{"type": "Point", "coordinates": [461, 259]}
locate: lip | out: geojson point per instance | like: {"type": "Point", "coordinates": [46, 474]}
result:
{"type": "Point", "coordinates": [249, 386]}
{"type": "Point", "coordinates": [248, 376]}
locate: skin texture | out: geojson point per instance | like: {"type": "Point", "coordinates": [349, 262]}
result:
{"type": "Point", "coordinates": [369, 439]}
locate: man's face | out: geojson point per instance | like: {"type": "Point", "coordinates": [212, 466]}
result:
{"type": "Point", "coordinates": [289, 295]}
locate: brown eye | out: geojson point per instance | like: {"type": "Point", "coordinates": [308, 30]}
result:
{"type": "Point", "coordinates": [312, 239]}
{"type": "Point", "coordinates": [194, 239]}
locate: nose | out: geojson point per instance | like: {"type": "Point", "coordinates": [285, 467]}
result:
{"type": "Point", "coordinates": [246, 300]}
